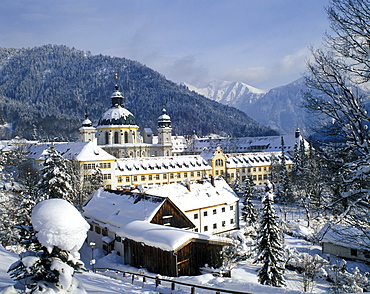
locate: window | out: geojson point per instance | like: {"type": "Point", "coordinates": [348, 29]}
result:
{"type": "Point", "coordinates": [89, 166]}
{"type": "Point", "coordinates": [231, 207]}
{"type": "Point", "coordinates": [259, 169]}
{"type": "Point", "coordinates": [195, 216]}
{"type": "Point", "coordinates": [143, 178]}
{"type": "Point", "coordinates": [167, 220]}
{"type": "Point", "coordinates": [205, 228]}
{"type": "Point", "coordinates": [198, 174]}
{"type": "Point", "coordinates": [353, 252]}
{"type": "Point", "coordinates": [135, 178]}
{"type": "Point", "coordinates": [157, 177]}
{"type": "Point", "coordinates": [185, 175]}
{"type": "Point", "coordinates": [106, 176]}
{"type": "Point", "coordinates": [127, 179]}
{"type": "Point", "coordinates": [105, 165]}
{"type": "Point", "coordinates": [106, 138]}
{"type": "Point", "coordinates": [249, 170]}
{"type": "Point", "coordinates": [223, 209]}
{"type": "Point", "coordinates": [116, 141]}
{"type": "Point", "coordinates": [196, 230]}
{"type": "Point", "coordinates": [216, 172]}
{"type": "Point", "coordinates": [219, 162]}
{"type": "Point", "coordinates": [231, 221]}
{"type": "Point", "coordinates": [105, 232]}
{"type": "Point", "coordinates": [126, 137]}
{"type": "Point", "coordinates": [164, 176]}
{"type": "Point", "coordinates": [260, 177]}
{"type": "Point", "coordinates": [254, 178]}
{"type": "Point", "coordinates": [118, 238]}
{"type": "Point", "coordinates": [91, 227]}
{"type": "Point", "coordinates": [119, 179]}
{"type": "Point", "coordinates": [192, 174]}
{"type": "Point", "coordinates": [97, 230]}
{"type": "Point", "coordinates": [214, 226]}
{"type": "Point", "coordinates": [150, 177]}
{"type": "Point", "coordinates": [254, 169]}
{"type": "Point", "coordinates": [179, 175]}
{"type": "Point", "coordinates": [171, 176]}
{"type": "Point", "coordinates": [214, 211]}
{"type": "Point", "coordinates": [205, 213]}
{"type": "Point", "coordinates": [223, 223]}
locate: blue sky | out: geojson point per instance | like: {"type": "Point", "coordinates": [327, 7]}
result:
{"type": "Point", "coordinates": [263, 43]}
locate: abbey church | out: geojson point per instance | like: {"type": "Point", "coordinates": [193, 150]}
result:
{"type": "Point", "coordinates": [118, 133]}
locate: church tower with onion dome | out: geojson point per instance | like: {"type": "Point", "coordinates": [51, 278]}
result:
{"type": "Point", "coordinates": [118, 133]}
{"type": "Point", "coordinates": [87, 131]}
{"type": "Point", "coordinates": [164, 134]}
{"type": "Point", "coordinates": [117, 125]}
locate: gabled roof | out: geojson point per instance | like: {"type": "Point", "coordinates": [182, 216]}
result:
{"type": "Point", "coordinates": [118, 208]}
{"type": "Point", "coordinates": [164, 237]}
{"type": "Point", "coordinates": [80, 151]}
{"type": "Point", "coordinates": [346, 236]}
{"type": "Point", "coordinates": [202, 194]}
{"type": "Point", "coordinates": [254, 159]}
{"type": "Point", "coordinates": [147, 165]}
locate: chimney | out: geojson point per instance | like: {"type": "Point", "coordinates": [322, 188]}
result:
{"type": "Point", "coordinates": [187, 184]}
{"type": "Point", "coordinates": [212, 181]}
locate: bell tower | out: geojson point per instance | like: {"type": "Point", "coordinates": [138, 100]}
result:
{"type": "Point", "coordinates": [87, 131]}
{"type": "Point", "coordinates": [165, 134]}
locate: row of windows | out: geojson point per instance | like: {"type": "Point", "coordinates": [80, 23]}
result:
{"type": "Point", "coordinates": [158, 177]}
{"type": "Point", "coordinates": [93, 165]}
{"type": "Point", "coordinates": [214, 226]}
{"type": "Point", "coordinates": [105, 177]}
{"type": "Point", "coordinates": [214, 211]}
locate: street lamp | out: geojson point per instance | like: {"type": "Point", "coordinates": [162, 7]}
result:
{"type": "Point", "coordinates": [92, 261]}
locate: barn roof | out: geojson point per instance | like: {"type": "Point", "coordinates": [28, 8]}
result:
{"type": "Point", "coordinates": [164, 237]}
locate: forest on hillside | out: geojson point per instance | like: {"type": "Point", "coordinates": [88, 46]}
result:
{"type": "Point", "coordinates": [45, 90]}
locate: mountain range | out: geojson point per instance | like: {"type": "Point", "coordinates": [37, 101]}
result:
{"type": "Point", "coordinates": [279, 108]}
{"type": "Point", "coordinates": [44, 92]}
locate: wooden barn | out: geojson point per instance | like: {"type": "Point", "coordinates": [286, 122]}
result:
{"type": "Point", "coordinates": [149, 232]}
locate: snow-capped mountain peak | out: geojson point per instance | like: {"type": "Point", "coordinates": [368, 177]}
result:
{"type": "Point", "coordinates": [229, 93]}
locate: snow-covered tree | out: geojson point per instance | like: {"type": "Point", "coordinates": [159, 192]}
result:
{"type": "Point", "coordinates": [269, 244]}
{"type": "Point", "coordinates": [96, 180]}
{"type": "Point", "coordinates": [336, 78]}
{"type": "Point", "coordinates": [56, 181]}
{"type": "Point", "coordinates": [249, 214]}
{"type": "Point", "coordinates": [50, 268]}
{"type": "Point", "coordinates": [285, 188]}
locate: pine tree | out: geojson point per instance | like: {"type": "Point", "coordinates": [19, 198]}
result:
{"type": "Point", "coordinates": [55, 179]}
{"type": "Point", "coordinates": [286, 192]}
{"type": "Point", "coordinates": [248, 211]}
{"type": "Point", "coordinates": [269, 246]}
{"type": "Point", "coordinates": [96, 180]}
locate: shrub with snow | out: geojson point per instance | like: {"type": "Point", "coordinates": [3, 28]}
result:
{"type": "Point", "coordinates": [60, 231]}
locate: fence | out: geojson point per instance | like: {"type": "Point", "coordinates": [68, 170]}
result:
{"type": "Point", "coordinates": [158, 281]}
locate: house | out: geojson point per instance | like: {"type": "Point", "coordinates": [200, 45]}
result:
{"type": "Point", "coordinates": [155, 232]}
{"type": "Point", "coordinates": [211, 205]}
{"type": "Point", "coordinates": [345, 242]}
{"type": "Point", "coordinates": [88, 155]}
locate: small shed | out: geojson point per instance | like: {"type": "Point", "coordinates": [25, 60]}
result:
{"type": "Point", "coordinates": [345, 242]}
{"type": "Point", "coordinates": [169, 251]}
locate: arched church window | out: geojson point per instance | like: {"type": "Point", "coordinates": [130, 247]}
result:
{"type": "Point", "coordinates": [106, 138]}
{"type": "Point", "coordinates": [126, 137]}
{"type": "Point", "coordinates": [116, 140]}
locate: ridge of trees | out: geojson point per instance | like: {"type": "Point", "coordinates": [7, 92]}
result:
{"type": "Point", "coordinates": [44, 92]}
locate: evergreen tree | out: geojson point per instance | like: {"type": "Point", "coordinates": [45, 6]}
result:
{"type": "Point", "coordinates": [248, 211]}
{"type": "Point", "coordinates": [269, 246]}
{"type": "Point", "coordinates": [96, 180]}
{"type": "Point", "coordinates": [286, 192]}
{"type": "Point", "coordinates": [55, 182]}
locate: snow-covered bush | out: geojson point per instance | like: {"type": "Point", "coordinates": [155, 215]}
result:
{"type": "Point", "coordinates": [60, 232]}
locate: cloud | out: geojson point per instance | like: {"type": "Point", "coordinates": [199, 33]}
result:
{"type": "Point", "coordinates": [283, 71]}
{"type": "Point", "coordinates": [188, 69]}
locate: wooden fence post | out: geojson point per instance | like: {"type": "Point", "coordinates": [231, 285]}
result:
{"type": "Point", "coordinates": [132, 278]}
{"type": "Point", "coordinates": [172, 286]}
{"type": "Point", "coordinates": [192, 290]}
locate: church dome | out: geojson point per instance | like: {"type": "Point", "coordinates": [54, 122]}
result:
{"type": "Point", "coordinates": [117, 116]}
{"type": "Point", "coordinates": [164, 121]}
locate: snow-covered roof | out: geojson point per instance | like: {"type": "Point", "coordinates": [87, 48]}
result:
{"type": "Point", "coordinates": [148, 165]}
{"type": "Point", "coordinates": [117, 115]}
{"type": "Point", "coordinates": [345, 236]}
{"type": "Point", "coordinates": [80, 151]}
{"type": "Point", "coordinates": [246, 144]}
{"type": "Point", "coordinates": [202, 194]}
{"type": "Point", "coordinates": [119, 208]}
{"type": "Point", "coordinates": [164, 237]}
{"type": "Point", "coordinates": [254, 159]}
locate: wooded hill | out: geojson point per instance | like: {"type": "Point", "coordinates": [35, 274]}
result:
{"type": "Point", "coordinates": [44, 92]}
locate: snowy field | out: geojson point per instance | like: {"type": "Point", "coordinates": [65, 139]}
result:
{"type": "Point", "coordinates": [244, 275]}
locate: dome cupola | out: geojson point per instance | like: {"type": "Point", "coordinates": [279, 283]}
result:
{"type": "Point", "coordinates": [164, 121]}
